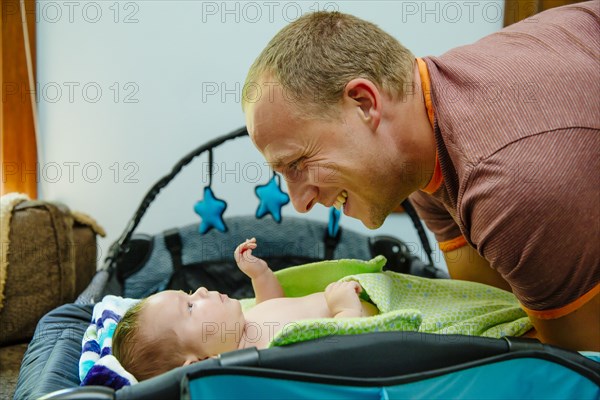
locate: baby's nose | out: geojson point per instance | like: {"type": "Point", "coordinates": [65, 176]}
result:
{"type": "Point", "coordinates": [202, 292]}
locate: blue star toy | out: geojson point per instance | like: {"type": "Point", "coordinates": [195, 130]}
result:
{"type": "Point", "coordinates": [211, 210]}
{"type": "Point", "coordinates": [272, 199]}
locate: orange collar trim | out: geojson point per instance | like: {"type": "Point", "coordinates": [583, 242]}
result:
{"type": "Point", "coordinates": [437, 178]}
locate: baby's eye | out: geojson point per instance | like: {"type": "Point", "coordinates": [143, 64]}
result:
{"type": "Point", "coordinates": [190, 305]}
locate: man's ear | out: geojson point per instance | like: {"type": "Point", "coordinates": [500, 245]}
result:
{"type": "Point", "coordinates": [363, 93]}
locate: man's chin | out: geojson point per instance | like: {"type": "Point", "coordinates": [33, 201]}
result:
{"type": "Point", "coordinates": [372, 223]}
{"type": "Point", "coordinates": [373, 226]}
{"type": "Point", "coordinates": [370, 218]}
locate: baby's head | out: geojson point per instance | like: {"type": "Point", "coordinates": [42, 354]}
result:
{"type": "Point", "coordinates": [172, 328]}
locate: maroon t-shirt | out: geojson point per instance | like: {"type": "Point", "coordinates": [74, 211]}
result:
{"type": "Point", "coordinates": [517, 125]}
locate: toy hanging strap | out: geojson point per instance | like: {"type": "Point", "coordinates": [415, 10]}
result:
{"type": "Point", "coordinates": [210, 167]}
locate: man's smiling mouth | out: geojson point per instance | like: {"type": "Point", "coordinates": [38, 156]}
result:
{"type": "Point", "coordinates": [340, 200]}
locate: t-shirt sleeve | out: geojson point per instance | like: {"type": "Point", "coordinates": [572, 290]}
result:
{"type": "Point", "coordinates": [537, 220]}
{"type": "Point", "coordinates": [438, 220]}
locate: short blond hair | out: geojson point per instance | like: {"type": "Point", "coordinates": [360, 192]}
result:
{"type": "Point", "coordinates": [314, 57]}
{"type": "Point", "coordinates": [140, 355]}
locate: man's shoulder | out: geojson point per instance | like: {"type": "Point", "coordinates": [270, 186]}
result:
{"type": "Point", "coordinates": [573, 149]}
{"type": "Point", "coordinates": [531, 178]}
{"type": "Point", "coordinates": [545, 31]}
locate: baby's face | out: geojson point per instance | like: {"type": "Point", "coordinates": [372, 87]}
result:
{"type": "Point", "coordinates": [206, 323]}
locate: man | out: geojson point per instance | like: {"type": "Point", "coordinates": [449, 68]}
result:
{"type": "Point", "coordinates": [497, 143]}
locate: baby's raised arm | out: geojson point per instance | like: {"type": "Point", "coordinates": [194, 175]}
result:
{"type": "Point", "coordinates": [265, 284]}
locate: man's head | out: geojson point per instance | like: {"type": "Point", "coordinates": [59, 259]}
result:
{"type": "Point", "coordinates": [314, 58]}
{"type": "Point", "coordinates": [330, 104]}
{"type": "Point", "coordinates": [172, 328]}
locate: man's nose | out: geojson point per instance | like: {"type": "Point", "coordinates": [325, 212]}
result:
{"type": "Point", "coordinates": [303, 196]}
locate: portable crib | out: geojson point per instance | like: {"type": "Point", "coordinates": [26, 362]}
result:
{"type": "Point", "coordinates": [376, 365]}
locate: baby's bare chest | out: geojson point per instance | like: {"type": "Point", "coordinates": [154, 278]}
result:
{"type": "Point", "coordinates": [290, 309]}
{"type": "Point", "coordinates": [266, 319]}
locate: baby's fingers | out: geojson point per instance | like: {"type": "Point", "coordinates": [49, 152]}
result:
{"type": "Point", "coordinates": [247, 254]}
{"type": "Point", "coordinates": [237, 253]}
{"type": "Point", "coordinates": [248, 247]}
{"type": "Point", "coordinates": [356, 286]}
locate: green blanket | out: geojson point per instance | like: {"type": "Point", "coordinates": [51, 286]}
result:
{"type": "Point", "coordinates": [405, 302]}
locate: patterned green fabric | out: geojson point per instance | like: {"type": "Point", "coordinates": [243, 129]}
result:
{"type": "Point", "coordinates": [447, 306]}
{"type": "Point", "coordinates": [406, 303]}
{"type": "Point", "coordinates": [411, 303]}
{"type": "Point", "coordinates": [310, 329]}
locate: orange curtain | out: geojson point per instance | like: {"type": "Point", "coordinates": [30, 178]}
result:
{"type": "Point", "coordinates": [516, 10]}
{"type": "Point", "coordinates": [18, 155]}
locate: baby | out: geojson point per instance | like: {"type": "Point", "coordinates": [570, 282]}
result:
{"type": "Point", "coordinates": [171, 328]}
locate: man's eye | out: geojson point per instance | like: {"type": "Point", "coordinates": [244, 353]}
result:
{"type": "Point", "coordinates": [296, 165]}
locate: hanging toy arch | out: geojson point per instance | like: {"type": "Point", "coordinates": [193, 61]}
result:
{"type": "Point", "coordinates": [211, 210]}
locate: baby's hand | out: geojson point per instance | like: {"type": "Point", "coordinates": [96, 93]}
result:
{"type": "Point", "coordinates": [247, 263]}
{"type": "Point", "coordinates": [342, 299]}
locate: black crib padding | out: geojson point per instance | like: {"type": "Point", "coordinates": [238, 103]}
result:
{"type": "Point", "coordinates": [52, 358]}
{"type": "Point", "coordinates": [51, 361]}
{"type": "Point", "coordinates": [372, 358]}
{"type": "Point", "coordinates": [366, 356]}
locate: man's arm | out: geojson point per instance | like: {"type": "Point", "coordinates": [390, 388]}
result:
{"type": "Point", "coordinates": [578, 330]}
{"type": "Point", "coordinates": [535, 229]}
{"type": "Point", "coordinates": [463, 261]}
{"type": "Point", "coordinates": [466, 264]}
{"type": "Point", "coordinates": [264, 282]}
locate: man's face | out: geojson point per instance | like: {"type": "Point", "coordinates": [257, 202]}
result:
{"type": "Point", "coordinates": [320, 159]}
{"type": "Point", "coordinates": [205, 322]}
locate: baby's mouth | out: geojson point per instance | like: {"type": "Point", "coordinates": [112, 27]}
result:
{"type": "Point", "coordinates": [340, 200]}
